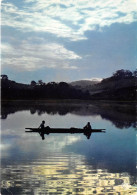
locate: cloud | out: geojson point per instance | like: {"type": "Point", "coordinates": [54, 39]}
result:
{"type": "Point", "coordinates": [4, 146]}
{"type": "Point", "coordinates": [93, 79]}
{"type": "Point", "coordinates": [33, 21]}
{"type": "Point", "coordinates": [27, 56]}
{"type": "Point", "coordinates": [67, 19]}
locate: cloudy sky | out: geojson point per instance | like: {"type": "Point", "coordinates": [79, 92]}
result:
{"type": "Point", "coordinates": [61, 40]}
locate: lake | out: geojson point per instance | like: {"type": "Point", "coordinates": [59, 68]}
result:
{"type": "Point", "coordinates": [67, 164]}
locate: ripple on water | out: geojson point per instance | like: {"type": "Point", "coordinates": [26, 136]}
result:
{"type": "Point", "coordinates": [63, 174]}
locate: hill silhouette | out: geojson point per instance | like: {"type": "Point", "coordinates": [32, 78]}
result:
{"type": "Point", "coordinates": [14, 91]}
{"type": "Point", "coordinates": [120, 86]}
{"type": "Point", "coordinates": [81, 84]}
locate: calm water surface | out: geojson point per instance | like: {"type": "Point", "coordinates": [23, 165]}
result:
{"type": "Point", "coordinates": [105, 164]}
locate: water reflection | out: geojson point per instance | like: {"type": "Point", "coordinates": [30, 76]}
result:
{"type": "Point", "coordinates": [64, 174]}
{"type": "Point", "coordinates": [120, 114]}
{"type": "Point", "coordinates": [68, 163]}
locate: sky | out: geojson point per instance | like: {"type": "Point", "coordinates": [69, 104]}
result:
{"type": "Point", "coordinates": [61, 40]}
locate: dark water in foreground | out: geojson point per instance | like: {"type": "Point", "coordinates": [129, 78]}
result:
{"type": "Point", "coordinates": [68, 163]}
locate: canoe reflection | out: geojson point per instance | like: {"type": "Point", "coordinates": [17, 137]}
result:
{"type": "Point", "coordinates": [88, 135]}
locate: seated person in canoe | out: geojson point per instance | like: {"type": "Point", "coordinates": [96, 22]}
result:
{"type": "Point", "coordinates": [88, 126]}
{"type": "Point", "coordinates": [42, 125]}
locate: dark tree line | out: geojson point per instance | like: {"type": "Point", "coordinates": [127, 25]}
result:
{"type": "Point", "coordinates": [119, 74]}
{"type": "Point", "coordinates": [62, 90]}
{"type": "Point", "coordinates": [40, 90]}
{"type": "Point", "coordinates": [121, 86]}
{"type": "Point", "coordinates": [122, 74]}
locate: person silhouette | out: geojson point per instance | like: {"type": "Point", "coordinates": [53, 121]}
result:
{"type": "Point", "coordinates": [88, 126]}
{"type": "Point", "coordinates": [42, 125]}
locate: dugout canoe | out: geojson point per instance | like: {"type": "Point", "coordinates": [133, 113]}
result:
{"type": "Point", "coordinates": [48, 130]}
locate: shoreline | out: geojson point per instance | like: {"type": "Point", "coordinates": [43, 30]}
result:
{"type": "Point", "coordinates": [66, 101]}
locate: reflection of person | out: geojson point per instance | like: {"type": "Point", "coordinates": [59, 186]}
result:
{"type": "Point", "coordinates": [42, 135]}
{"type": "Point", "coordinates": [88, 126]}
{"type": "Point", "coordinates": [42, 125]}
{"type": "Point", "coordinates": [87, 134]}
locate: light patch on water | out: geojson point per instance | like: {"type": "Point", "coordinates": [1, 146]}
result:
{"type": "Point", "coordinates": [62, 174]}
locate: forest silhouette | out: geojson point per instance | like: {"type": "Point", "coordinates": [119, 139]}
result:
{"type": "Point", "coordinates": [120, 86]}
